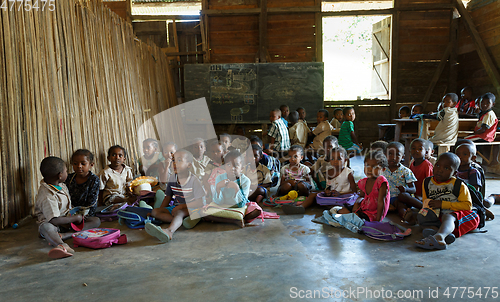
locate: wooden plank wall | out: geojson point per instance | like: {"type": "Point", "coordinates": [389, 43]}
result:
{"type": "Point", "coordinates": [235, 38]}
{"type": "Point", "coordinates": [471, 72]}
{"type": "Point", "coordinates": [73, 78]}
{"type": "Point", "coordinates": [423, 38]}
{"type": "Point", "coordinates": [121, 8]}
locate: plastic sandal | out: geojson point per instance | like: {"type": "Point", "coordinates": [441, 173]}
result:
{"type": "Point", "coordinates": [431, 232]}
{"type": "Point", "coordinates": [59, 252]}
{"type": "Point", "coordinates": [430, 243]}
{"type": "Point", "coordinates": [157, 232]}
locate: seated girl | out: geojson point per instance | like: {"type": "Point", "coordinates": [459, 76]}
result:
{"type": "Point", "coordinates": [339, 181]}
{"type": "Point", "coordinates": [259, 175]}
{"type": "Point", "coordinates": [375, 195]}
{"type": "Point", "coordinates": [295, 176]}
{"type": "Point", "coordinates": [214, 167]}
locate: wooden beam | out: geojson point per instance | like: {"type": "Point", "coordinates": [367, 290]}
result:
{"type": "Point", "coordinates": [238, 11]}
{"type": "Point", "coordinates": [485, 57]}
{"type": "Point", "coordinates": [263, 31]}
{"type": "Point", "coordinates": [453, 76]}
{"type": "Point", "coordinates": [387, 11]}
{"type": "Point", "coordinates": [318, 31]}
{"type": "Point", "coordinates": [139, 18]}
{"type": "Point", "coordinates": [437, 74]}
{"type": "Point", "coordinates": [181, 53]}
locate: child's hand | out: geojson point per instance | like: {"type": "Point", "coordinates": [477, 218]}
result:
{"type": "Point", "coordinates": [77, 219]}
{"type": "Point", "coordinates": [402, 189]}
{"type": "Point", "coordinates": [335, 193]}
{"type": "Point", "coordinates": [435, 204]}
{"type": "Point", "coordinates": [328, 192]}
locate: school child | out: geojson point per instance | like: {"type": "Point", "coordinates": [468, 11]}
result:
{"type": "Point", "coordinates": [323, 163]}
{"type": "Point", "coordinates": [455, 213]}
{"type": "Point", "coordinates": [298, 130]}
{"type": "Point", "coordinates": [240, 142]}
{"type": "Point", "coordinates": [52, 205]}
{"type": "Point", "coordinates": [302, 114]}
{"type": "Point", "coordinates": [486, 127]}
{"type": "Point", "coordinates": [270, 162]}
{"type": "Point", "coordinates": [404, 112]}
{"type": "Point", "coordinates": [295, 176]}
{"type": "Point", "coordinates": [401, 182]}
{"type": "Point", "coordinates": [347, 137]}
{"type": "Point", "coordinates": [322, 130]}
{"type": "Point", "coordinates": [446, 131]}
{"type": "Point", "coordinates": [473, 163]}
{"type": "Point", "coordinates": [280, 140]}
{"type": "Point", "coordinates": [163, 169]}
{"type": "Point", "coordinates": [466, 106]}
{"type": "Point", "coordinates": [375, 194]}
{"type": "Point", "coordinates": [421, 167]}
{"type": "Point", "coordinates": [83, 185]}
{"type": "Point", "coordinates": [285, 111]}
{"type": "Point", "coordinates": [151, 156]}
{"type": "Point", "coordinates": [259, 174]}
{"type": "Point", "coordinates": [429, 146]}
{"type": "Point", "coordinates": [115, 177]}
{"type": "Point", "coordinates": [467, 154]}
{"type": "Point", "coordinates": [214, 167]}
{"type": "Point", "coordinates": [416, 110]}
{"type": "Point", "coordinates": [338, 116]}
{"type": "Point", "coordinates": [225, 140]}
{"type": "Point", "coordinates": [339, 181]}
{"type": "Point", "coordinates": [200, 160]}
{"type": "Point", "coordinates": [379, 145]}
{"type": "Point", "coordinates": [186, 188]}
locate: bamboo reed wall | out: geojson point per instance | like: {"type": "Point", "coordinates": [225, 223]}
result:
{"type": "Point", "coordinates": [71, 78]}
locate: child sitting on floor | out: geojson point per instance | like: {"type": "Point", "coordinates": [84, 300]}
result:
{"type": "Point", "coordinates": [295, 176]}
{"type": "Point", "coordinates": [200, 160]}
{"type": "Point", "coordinates": [83, 185]}
{"type": "Point", "coordinates": [455, 213]}
{"type": "Point", "coordinates": [322, 130]}
{"type": "Point", "coordinates": [323, 163]}
{"type": "Point", "coordinates": [302, 114]}
{"type": "Point", "coordinates": [115, 176]}
{"type": "Point", "coordinates": [401, 182]}
{"type": "Point", "coordinates": [270, 162]}
{"type": "Point", "coordinates": [338, 116]}
{"type": "Point", "coordinates": [347, 136]}
{"type": "Point", "coordinates": [446, 131]}
{"type": "Point", "coordinates": [225, 141]}
{"type": "Point", "coordinates": [52, 205]}
{"type": "Point", "coordinates": [379, 145]}
{"type": "Point", "coordinates": [339, 181]}
{"type": "Point", "coordinates": [421, 167]}
{"type": "Point", "coordinates": [261, 175]}
{"type": "Point", "coordinates": [240, 142]}
{"type": "Point", "coordinates": [486, 127]}
{"type": "Point", "coordinates": [163, 169]}
{"type": "Point", "coordinates": [375, 195]}
{"type": "Point", "coordinates": [152, 155]}
{"type": "Point", "coordinates": [298, 130]}
{"type": "Point", "coordinates": [280, 140]}
{"type": "Point", "coordinates": [186, 188]}
{"type": "Point", "coordinates": [467, 154]}
{"type": "Point", "coordinates": [214, 167]}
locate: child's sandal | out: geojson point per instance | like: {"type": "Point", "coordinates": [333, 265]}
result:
{"type": "Point", "coordinates": [59, 252]}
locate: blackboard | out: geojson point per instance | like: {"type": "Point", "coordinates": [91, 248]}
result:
{"type": "Point", "coordinates": [246, 93]}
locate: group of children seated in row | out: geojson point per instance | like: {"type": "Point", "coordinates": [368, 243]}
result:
{"type": "Point", "coordinates": [219, 172]}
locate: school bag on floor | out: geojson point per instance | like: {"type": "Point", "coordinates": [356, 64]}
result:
{"type": "Point", "coordinates": [110, 213]}
{"type": "Point", "coordinates": [323, 200]}
{"type": "Point", "coordinates": [98, 238]}
{"type": "Point", "coordinates": [385, 231]}
{"type": "Point", "coordinates": [136, 217]}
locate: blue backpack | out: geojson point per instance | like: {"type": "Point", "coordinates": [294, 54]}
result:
{"type": "Point", "coordinates": [136, 218]}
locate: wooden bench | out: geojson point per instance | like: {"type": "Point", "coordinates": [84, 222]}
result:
{"type": "Point", "coordinates": [442, 148]}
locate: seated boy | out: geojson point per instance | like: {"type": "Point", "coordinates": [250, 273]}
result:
{"type": "Point", "coordinates": [115, 176]}
{"type": "Point", "coordinates": [338, 116]}
{"type": "Point", "coordinates": [280, 140]}
{"type": "Point", "coordinates": [404, 112]}
{"type": "Point", "coordinates": [298, 130]}
{"type": "Point", "coordinates": [347, 136]}
{"type": "Point", "coordinates": [261, 175]}
{"type": "Point", "coordinates": [420, 166]}
{"type": "Point", "coordinates": [240, 142]}
{"type": "Point", "coordinates": [455, 212]}
{"type": "Point", "coordinates": [285, 111]}
{"type": "Point", "coordinates": [322, 130]}
{"type": "Point", "coordinates": [200, 160]}
{"type": "Point", "coordinates": [188, 192]}
{"type": "Point", "coordinates": [379, 145]}
{"type": "Point", "coordinates": [225, 141]}
{"type": "Point", "coordinates": [323, 163]}
{"type": "Point", "coordinates": [416, 110]}
{"type": "Point", "coordinates": [270, 162]}
{"type": "Point", "coordinates": [151, 156]}
{"type": "Point", "coordinates": [467, 106]}
{"type": "Point", "coordinates": [52, 205]}
{"type": "Point", "coordinates": [446, 131]}
{"type": "Point", "coordinates": [486, 127]}
{"type": "Point", "coordinates": [302, 114]}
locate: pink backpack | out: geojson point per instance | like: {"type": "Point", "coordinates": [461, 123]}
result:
{"type": "Point", "coordinates": [98, 238]}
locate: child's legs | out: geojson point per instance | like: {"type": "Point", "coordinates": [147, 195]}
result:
{"type": "Point", "coordinates": [446, 228]}
{"type": "Point", "coordinates": [310, 200]}
{"type": "Point", "coordinates": [51, 233]}
{"type": "Point", "coordinates": [91, 222]}
{"type": "Point", "coordinates": [344, 210]}
{"type": "Point", "coordinates": [303, 188]}
{"type": "Point", "coordinates": [259, 191]}
{"type": "Point", "coordinates": [405, 201]}
{"type": "Point", "coordinates": [286, 187]}
{"type": "Point", "coordinates": [179, 212]}
{"type": "Point", "coordinates": [162, 214]}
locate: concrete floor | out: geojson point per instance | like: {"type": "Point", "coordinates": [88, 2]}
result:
{"type": "Point", "coordinates": [270, 261]}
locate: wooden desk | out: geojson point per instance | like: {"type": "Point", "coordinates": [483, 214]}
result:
{"type": "Point", "coordinates": [465, 127]}
{"type": "Point", "coordinates": [406, 129]}
{"type": "Point", "coordinates": [382, 128]}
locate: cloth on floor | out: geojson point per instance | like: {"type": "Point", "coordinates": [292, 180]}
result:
{"type": "Point", "coordinates": [349, 221]}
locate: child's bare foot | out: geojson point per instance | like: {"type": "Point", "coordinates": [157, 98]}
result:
{"type": "Point", "coordinates": [254, 214]}
{"type": "Point", "coordinates": [409, 217]}
{"type": "Point", "coordinates": [489, 215]}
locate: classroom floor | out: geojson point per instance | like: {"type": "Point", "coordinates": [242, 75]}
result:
{"type": "Point", "coordinates": [272, 261]}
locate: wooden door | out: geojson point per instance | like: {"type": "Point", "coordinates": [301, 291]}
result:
{"type": "Point", "coordinates": [381, 53]}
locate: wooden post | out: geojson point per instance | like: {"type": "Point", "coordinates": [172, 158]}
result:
{"type": "Point", "coordinates": [394, 59]}
{"type": "Point", "coordinates": [263, 31]}
{"type": "Point", "coordinates": [453, 76]}
{"type": "Point", "coordinates": [319, 32]}
{"type": "Point", "coordinates": [437, 74]}
{"type": "Point", "coordinates": [488, 63]}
